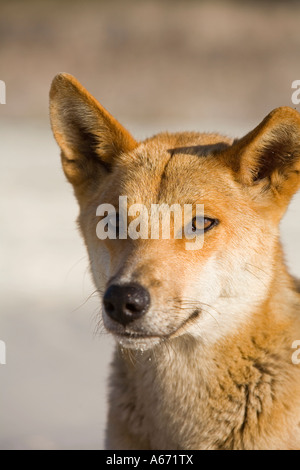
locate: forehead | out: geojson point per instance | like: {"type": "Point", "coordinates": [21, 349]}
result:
{"type": "Point", "coordinates": [174, 168]}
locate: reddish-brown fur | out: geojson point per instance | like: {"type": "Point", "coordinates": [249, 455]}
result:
{"type": "Point", "coordinates": [210, 365]}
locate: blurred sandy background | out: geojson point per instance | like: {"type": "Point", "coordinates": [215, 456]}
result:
{"type": "Point", "coordinates": [156, 65]}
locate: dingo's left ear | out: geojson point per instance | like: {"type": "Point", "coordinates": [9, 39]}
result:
{"type": "Point", "coordinates": [89, 137]}
{"type": "Point", "coordinates": [268, 158]}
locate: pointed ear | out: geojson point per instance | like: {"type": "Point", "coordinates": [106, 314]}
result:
{"type": "Point", "coordinates": [268, 158]}
{"type": "Point", "coordinates": [89, 137]}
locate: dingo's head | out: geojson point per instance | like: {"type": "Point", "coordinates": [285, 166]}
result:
{"type": "Point", "coordinates": [157, 289]}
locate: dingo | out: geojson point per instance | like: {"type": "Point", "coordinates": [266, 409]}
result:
{"type": "Point", "coordinates": [204, 337]}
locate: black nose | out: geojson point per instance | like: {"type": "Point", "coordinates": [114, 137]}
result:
{"type": "Point", "coordinates": [126, 303]}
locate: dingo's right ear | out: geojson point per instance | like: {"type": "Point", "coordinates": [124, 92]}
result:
{"type": "Point", "coordinates": [89, 137]}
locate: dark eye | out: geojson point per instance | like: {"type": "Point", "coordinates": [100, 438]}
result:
{"type": "Point", "coordinates": [203, 224]}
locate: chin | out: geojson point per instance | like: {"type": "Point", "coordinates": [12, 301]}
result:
{"type": "Point", "coordinates": [139, 343]}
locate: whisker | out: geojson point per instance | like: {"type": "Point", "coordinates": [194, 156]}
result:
{"type": "Point", "coordinates": [254, 275]}
{"type": "Point", "coordinates": [74, 266]}
{"type": "Point", "coordinates": [259, 269]}
{"type": "Point", "coordinates": [86, 300]}
{"type": "Point", "coordinates": [194, 302]}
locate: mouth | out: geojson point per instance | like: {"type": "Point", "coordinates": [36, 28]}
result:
{"type": "Point", "coordinates": [135, 340]}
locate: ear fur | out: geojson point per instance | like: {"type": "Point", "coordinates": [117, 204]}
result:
{"type": "Point", "coordinates": [89, 137]}
{"type": "Point", "coordinates": [268, 158]}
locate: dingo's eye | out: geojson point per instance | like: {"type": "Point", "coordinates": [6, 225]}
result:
{"type": "Point", "coordinates": [202, 224]}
